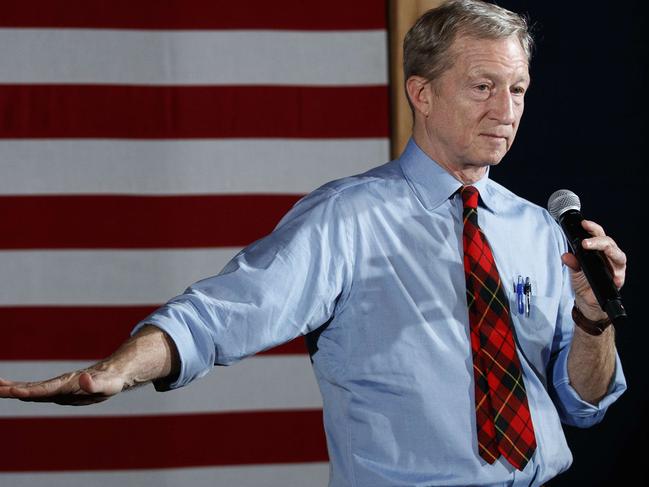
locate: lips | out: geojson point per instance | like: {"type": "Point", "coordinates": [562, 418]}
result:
{"type": "Point", "coordinates": [496, 139]}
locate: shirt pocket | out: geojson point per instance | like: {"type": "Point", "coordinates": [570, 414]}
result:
{"type": "Point", "coordinates": [534, 332]}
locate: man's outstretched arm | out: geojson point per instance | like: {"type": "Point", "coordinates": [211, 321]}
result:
{"type": "Point", "coordinates": [148, 355]}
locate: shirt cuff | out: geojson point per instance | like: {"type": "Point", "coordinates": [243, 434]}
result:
{"type": "Point", "coordinates": [572, 408]}
{"type": "Point", "coordinates": [174, 319]}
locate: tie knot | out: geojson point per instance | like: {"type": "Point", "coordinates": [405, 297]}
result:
{"type": "Point", "coordinates": [470, 196]}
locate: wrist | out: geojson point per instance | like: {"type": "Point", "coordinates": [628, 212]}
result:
{"type": "Point", "coordinates": [115, 367]}
{"type": "Point", "coordinates": [592, 327]}
{"type": "Point", "coordinates": [135, 362]}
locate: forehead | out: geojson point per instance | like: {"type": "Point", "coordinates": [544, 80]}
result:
{"type": "Point", "coordinates": [501, 57]}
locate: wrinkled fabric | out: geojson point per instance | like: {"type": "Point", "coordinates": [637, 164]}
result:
{"type": "Point", "coordinates": [370, 268]}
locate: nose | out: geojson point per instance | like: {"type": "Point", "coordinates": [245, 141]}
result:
{"type": "Point", "coordinates": [503, 108]}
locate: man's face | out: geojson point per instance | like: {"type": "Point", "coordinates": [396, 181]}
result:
{"type": "Point", "coordinates": [476, 104]}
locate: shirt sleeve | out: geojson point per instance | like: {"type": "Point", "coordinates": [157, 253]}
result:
{"type": "Point", "coordinates": [282, 286]}
{"type": "Point", "coordinates": [573, 410]}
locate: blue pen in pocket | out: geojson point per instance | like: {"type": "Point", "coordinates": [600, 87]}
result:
{"type": "Point", "coordinates": [527, 289]}
{"type": "Point", "coordinates": [520, 295]}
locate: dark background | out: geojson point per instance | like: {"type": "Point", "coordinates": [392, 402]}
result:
{"type": "Point", "coordinates": [585, 129]}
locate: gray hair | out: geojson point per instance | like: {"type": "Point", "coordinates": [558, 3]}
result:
{"type": "Point", "coordinates": [427, 44]}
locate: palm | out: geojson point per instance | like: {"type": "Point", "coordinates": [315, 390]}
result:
{"type": "Point", "coordinates": [77, 388]}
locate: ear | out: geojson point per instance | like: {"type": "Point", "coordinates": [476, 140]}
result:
{"type": "Point", "coordinates": [420, 93]}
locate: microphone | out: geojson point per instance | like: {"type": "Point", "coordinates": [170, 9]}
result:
{"type": "Point", "coordinates": [564, 206]}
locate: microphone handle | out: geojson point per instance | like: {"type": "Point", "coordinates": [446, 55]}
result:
{"type": "Point", "coordinates": [594, 265]}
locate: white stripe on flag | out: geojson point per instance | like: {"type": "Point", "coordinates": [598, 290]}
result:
{"type": "Point", "coordinates": [256, 384]}
{"type": "Point", "coordinates": [104, 277]}
{"type": "Point", "coordinates": [224, 166]}
{"type": "Point", "coordinates": [232, 57]}
{"type": "Point", "coordinates": [281, 475]}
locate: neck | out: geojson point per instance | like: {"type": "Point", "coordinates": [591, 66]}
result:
{"type": "Point", "coordinates": [466, 175]}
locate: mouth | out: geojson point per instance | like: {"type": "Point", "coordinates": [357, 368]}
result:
{"type": "Point", "coordinates": [496, 140]}
{"type": "Point", "coordinates": [495, 136]}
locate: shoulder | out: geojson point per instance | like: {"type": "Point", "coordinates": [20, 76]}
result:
{"type": "Point", "coordinates": [376, 176]}
{"type": "Point", "coordinates": [341, 197]}
{"type": "Point", "coordinates": [374, 183]}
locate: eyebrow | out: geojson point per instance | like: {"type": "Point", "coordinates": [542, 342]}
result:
{"type": "Point", "coordinates": [478, 72]}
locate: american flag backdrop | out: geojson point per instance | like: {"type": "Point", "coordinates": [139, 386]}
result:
{"type": "Point", "coordinates": [142, 143]}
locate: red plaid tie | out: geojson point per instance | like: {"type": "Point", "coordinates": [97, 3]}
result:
{"type": "Point", "coordinates": [502, 413]}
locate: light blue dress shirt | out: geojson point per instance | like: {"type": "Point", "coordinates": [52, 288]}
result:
{"type": "Point", "coordinates": [374, 263]}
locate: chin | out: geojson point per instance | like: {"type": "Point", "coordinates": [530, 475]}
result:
{"type": "Point", "coordinates": [493, 158]}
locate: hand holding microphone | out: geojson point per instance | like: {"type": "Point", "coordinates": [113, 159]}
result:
{"type": "Point", "coordinates": [597, 255]}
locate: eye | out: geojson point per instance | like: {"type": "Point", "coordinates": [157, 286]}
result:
{"type": "Point", "coordinates": [481, 91]}
{"type": "Point", "coordinates": [518, 90]}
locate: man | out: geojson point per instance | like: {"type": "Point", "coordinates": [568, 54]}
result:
{"type": "Point", "coordinates": [389, 274]}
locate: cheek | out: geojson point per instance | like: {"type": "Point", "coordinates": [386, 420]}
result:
{"type": "Point", "coordinates": [519, 115]}
{"type": "Point", "coordinates": [466, 126]}
{"type": "Point", "coordinates": [515, 130]}
{"type": "Point", "coordinates": [448, 127]}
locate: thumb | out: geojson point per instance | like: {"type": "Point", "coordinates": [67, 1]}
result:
{"type": "Point", "coordinates": [571, 261]}
{"type": "Point", "coordinates": [100, 384]}
{"type": "Point", "coordinates": [88, 384]}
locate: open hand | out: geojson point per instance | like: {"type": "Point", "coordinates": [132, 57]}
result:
{"type": "Point", "coordinates": [87, 386]}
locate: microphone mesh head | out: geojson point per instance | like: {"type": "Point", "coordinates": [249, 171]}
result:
{"type": "Point", "coordinates": [561, 201]}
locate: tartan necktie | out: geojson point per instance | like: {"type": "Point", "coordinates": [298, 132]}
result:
{"type": "Point", "coordinates": [503, 419]}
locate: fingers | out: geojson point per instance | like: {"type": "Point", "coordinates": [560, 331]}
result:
{"type": "Point", "coordinates": [593, 228]}
{"type": "Point", "coordinates": [5, 382]}
{"type": "Point", "coordinates": [36, 390]}
{"type": "Point", "coordinates": [615, 260]}
{"type": "Point", "coordinates": [46, 390]}
{"type": "Point", "coordinates": [75, 388]}
{"type": "Point", "coordinates": [608, 246]}
{"type": "Point", "coordinates": [69, 394]}
{"type": "Point", "coordinates": [6, 386]}
{"type": "Point", "coordinates": [603, 243]}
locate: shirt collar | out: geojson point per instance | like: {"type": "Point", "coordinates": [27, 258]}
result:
{"type": "Point", "coordinates": [432, 184]}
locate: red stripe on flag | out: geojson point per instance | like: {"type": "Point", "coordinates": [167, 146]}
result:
{"type": "Point", "coordinates": [130, 222]}
{"type": "Point", "coordinates": [196, 14]}
{"type": "Point", "coordinates": [154, 112]}
{"type": "Point", "coordinates": [109, 443]}
{"type": "Point", "coordinates": [79, 332]}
